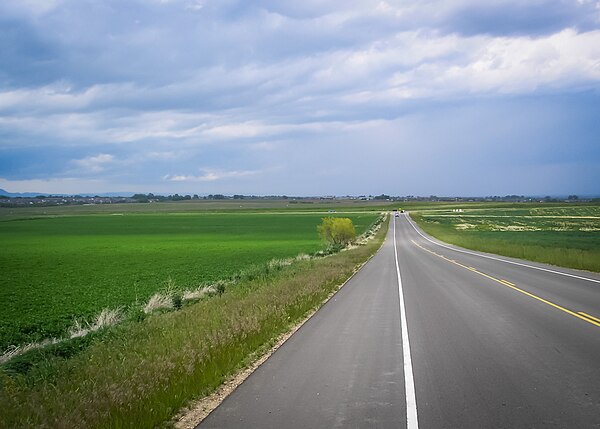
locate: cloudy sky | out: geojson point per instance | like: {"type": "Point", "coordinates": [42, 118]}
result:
{"type": "Point", "coordinates": [449, 97]}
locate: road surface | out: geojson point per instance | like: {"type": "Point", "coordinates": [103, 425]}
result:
{"type": "Point", "coordinates": [433, 337]}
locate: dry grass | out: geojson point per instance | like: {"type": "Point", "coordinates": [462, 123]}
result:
{"type": "Point", "coordinates": [280, 263]}
{"type": "Point", "coordinates": [201, 292]}
{"type": "Point", "coordinates": [14, 351]}
{"type": "Point", "coordinates": [158, 301]}
{"type": "Point", "coordinates": [106, 318]}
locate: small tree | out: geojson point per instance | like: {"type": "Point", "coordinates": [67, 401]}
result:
{"type": "Point", "coordinates": [337, 231]}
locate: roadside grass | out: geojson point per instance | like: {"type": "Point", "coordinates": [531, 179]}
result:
{"type": "Point", "coordinates": [567, 236]}
{"type": "Point", "coordinates": [142, 373]}
{"type": "Point", "coordinates": [57, 269]}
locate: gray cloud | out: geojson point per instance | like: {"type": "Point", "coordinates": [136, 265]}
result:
{"type": "Point", "coordinates": [198, 90]}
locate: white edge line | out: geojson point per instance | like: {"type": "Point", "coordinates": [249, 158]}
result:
{"type": "Point", "coordinates": [412, 421]}
{"type": "Point", "coordinates": [210, 403]}
{"type": "Point", "coordinates": [497, 259]}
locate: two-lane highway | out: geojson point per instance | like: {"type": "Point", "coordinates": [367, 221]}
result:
{"type": "Point", "coordinates": [430, 336]}
{"type": "Point", "coordinates": [497, 344]}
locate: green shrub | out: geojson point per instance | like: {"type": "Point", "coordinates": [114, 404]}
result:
{"type": "Point", "coordinates": [337, 231]}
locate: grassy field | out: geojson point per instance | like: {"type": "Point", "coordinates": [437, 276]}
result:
{"type": "Point", "coordinates": [196, 206]}
{"type": "Point", "coordinates": [142, 372]}
{"type": "Point", "coordinates": [566, 235]}
{"type": "Point", "coordinates": [56, 268]}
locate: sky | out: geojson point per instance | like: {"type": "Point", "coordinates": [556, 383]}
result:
{"type": "Point", "coordinates": [319, 97]}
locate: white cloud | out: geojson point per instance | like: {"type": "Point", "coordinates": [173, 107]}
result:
{"type": "Point", "coordinates": [33, 8]}
{"type": "Point", "coordinates": [269, 98]}
{"type": "Point", "coordinates": [94, 164]}
{"type": "Point", "coordinates": [522, 65]}
{"type": "Point", "coordinates": [62, 96]}
{"type": "Point", "coordinates": [153, 82]}
{"type": "Point", "coordinates": [211, 176]}
{"type": "Point", "coordinates": [71, 185]}
{"type": "Point", "coordinates": [483, 65]}
{"type": "Point", "coordinates": [162, 155]}
{"type": "Point", "coordinates": [246, 129]}
{"type": "Point", "coordinates": [108, 127]}
{"type": "Point", "coordinates": [263, 146]}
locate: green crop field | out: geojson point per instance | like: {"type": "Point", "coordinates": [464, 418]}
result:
{"type": "Point", "coordinates": [58, 268]}
{"type": "Point", "coordinates": [567, 235]}
{"type": "Point", "coordinates": [195, 206]}
{"type": "Point", "coordinates": [140, 373]}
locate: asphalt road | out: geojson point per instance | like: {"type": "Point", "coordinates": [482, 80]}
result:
{"type": "Point", "coordinates": [485, 344]}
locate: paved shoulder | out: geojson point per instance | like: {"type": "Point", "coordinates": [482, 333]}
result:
{"type": "Point", "coordinates": [343, 368]}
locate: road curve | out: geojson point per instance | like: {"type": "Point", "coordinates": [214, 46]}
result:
{"type": "Point", "coordinates": [486, 344]}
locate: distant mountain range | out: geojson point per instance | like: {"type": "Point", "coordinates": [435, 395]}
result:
{"type": "Point", "coordinates": [17, 194]}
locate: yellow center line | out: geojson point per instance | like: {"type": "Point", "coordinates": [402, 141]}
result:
{"type": "Point", "coordinates": [589, 316]}
{"type": "Point", "coordinates": [583, 316]}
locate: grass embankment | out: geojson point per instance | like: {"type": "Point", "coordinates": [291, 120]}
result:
{"type": "Point", "coordinates": [567, 236]}
{"type": "Point", "coordinates": [141, 373]}
{"type": "Point", "coordinates": [57, 269]}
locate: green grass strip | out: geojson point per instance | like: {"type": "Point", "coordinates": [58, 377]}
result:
{"type": "Point", "coordinates": [572, 249]}
{"type": "Point", "coordinates": [143, 373]}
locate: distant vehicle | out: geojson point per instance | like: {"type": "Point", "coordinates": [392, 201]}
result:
{"type": "Point", "coordinates": [401, 211]}
{"type": "Point", "coordinates": [397, 215]}
{"type": "Point", "coordinates": [331, 211]}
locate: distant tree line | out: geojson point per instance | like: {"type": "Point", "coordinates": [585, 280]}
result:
{"type": "Point", "coordinates": [144, 198]}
